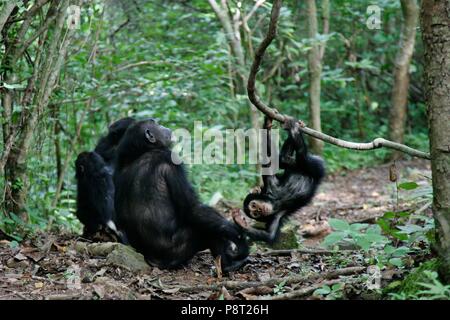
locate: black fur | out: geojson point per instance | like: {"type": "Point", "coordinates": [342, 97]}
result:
{"type": "Point", "coordinates": [158, 209]}
{"type": "Point", "coordinates": [95, 188]}
{"type": "Point", "coordinates": [95, 192]}
{"type": "Point", "coordinates": [290, 190]}
{"type": "Point", "coordinates": [107, 145]}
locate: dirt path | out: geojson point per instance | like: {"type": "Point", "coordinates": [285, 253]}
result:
{"type": "Point", "coordinates": [48, 267]}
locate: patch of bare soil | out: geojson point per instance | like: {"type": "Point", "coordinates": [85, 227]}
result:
{"type": "Point", "coordinates": [54, 267]}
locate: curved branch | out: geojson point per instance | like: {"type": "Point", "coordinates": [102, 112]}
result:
{"type": "Point", "coordinates": [274, 114]}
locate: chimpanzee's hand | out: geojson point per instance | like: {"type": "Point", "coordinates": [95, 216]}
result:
{"type": "Point", "coordinates": [255, 190]}
{"type": "Point", "coordinates": [291, 124]}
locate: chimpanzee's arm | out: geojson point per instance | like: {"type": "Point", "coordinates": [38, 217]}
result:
{"type": "Point", "coordinates": [187, 204]}
{"type": "Point", "coordinates": [272, 230]}
{"type": "Point", "coordinates": [294, 154]}
{"type": "Point", "coordinates": [294, 150]}
{"type": "Point", "coordinates": [271, 183]}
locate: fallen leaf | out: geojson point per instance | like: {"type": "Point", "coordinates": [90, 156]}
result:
{"type": "Point", "coordinates": [315, 228]}
{"type": "Point", "coordinates": [59, 248]}
{"type": "Point", "coordinates": [99, 290]}
{"type": "Point", "coordinates": [100, 273]}
{"type": "Point", "coordinates": [263, 276]}
{"type": "Point", "coordinates": [35, 256]}
{"type": "Point", "coordinates": [226, 294]}
{"type": "Point", "coordinates": [4, 243]}
{"type": "Point", "coordinates": [39, 285]}
{"type": "Point", "coordinates": [20, 257]}
{"type": "Point", "coordinates": [294, 265]}
{"type": "Point", "coordinates": [171, 291]}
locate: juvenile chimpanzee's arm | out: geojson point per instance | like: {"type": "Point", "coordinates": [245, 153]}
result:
{"type": "Point", "coordinates": [271, 183]}
{"type": "Point", "coordinates": [272, 229]}
{"type": "Point", "coordinates": [294, 154]}
{"type": "Point", "coordinates": [294, 150]}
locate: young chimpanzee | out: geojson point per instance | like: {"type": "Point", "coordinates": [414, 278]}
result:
{"type": "Point", "coordinates": [158, 209]}
{"type": "Point", "coordinates": [284, 193]}
{"type": "Point", "coordinates": [95, 187]}
{"type": "Point", "coordinates": [107, 145]}
{"type": "Point", "coordinates": [95, 193]}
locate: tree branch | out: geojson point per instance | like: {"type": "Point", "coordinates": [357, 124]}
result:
{"type": "Point", "coordinates": [274, 114]}
{"type": "Point", "coordinates": [239, 285]}
{"type": "Point", "coordinates": [300, 293]}
{"type": "Point", "coordinates": [141, 63]}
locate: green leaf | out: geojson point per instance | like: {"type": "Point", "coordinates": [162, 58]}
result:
{"type": "Point", "coordinates": [389, 215]}
{"type": "Point", "coordinates": [333, 238]}
{"type": "Point", "coordinates": [358, 226]}
{"type": "Point", "coordinates": [401, 251]}
{"type": "Point", "coordinates": [410, 228]}
{"type": "Point", "coordinates": [374, 229]}
{"type": "Point", "coordinates": [322, 291]}
{"type": "Point", "coordinates": [375, 238]}
{"type": "Point", "coordinates": [403, 214]}
{"type": "Point", "coordinates": [384, 225]}
{"type": "Point", "coordinates": [337, 286]}
{"type": "Point", "coordinates": [13, 244]}
{"type": "Point", "coordinates": [400, 235]}
{"type": "Point", "coordinates": [339, 225]}
{"type": "Point", "coordinates": [396, 262]}
{"type": "Point", "coordinates": [363, 243]}
{"type": "Point", "coordinates": [408, 185]}
{"type": "Point", "coordinates": [388, 249]}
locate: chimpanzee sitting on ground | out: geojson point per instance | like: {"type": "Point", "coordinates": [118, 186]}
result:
{"type": "Point", "coordinates": [284, 193]}
{"type": "Point", "coordinates": [95, 187]}
{"type": "Point", "coordinates": [95, 194]}
{"type": "Point", "coordinates": [158, 209]}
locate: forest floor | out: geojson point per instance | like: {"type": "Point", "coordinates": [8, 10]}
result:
{"type": "Point", "coordinates": [53, 266]}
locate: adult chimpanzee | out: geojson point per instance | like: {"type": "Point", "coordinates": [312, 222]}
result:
{"type": "Point", "coordinates": [284, 193]}
{"type": "Point", "coordinates": [158, 209]}
{"type": "Point", "coordinates": [95, 187]}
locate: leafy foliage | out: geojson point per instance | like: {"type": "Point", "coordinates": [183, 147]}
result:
{"type": "Point", "coordinates": [393, 238]}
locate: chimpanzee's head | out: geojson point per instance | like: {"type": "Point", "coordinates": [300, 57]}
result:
{"type": "Point", "coordinates": [88, 162]}
{"type": "Point", "coordinates": [143, 136]}
{"type": "Point", "coordinates": [117, 129]}
{"type": "Point", "coordinates": [258, 206]}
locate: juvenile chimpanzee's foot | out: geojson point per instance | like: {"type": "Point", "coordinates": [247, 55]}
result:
{"type": "Point", "coordinates": [239, 219]}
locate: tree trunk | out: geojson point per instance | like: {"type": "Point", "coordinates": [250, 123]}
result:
{"type": "Point", "coordinates": [5, 12]}
{"type": "Point", "coordinates": [436, 37]}
{"type": "Point", "coordinates": [399, 97]}
{"type": "Point", "coordinates": [36, 97]}
{"type": "Point", "coordinates": [315, 71]}
{"type": "Point", "coordinates": [231, 28]}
